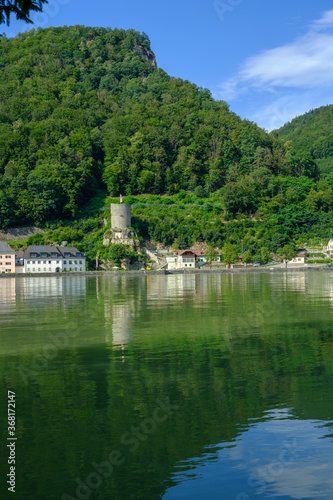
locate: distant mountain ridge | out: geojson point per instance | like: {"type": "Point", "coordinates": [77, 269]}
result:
{"type": "Point", "coordinates": [312, 132]}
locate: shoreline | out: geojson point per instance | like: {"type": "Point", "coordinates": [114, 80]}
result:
{"type": "Point", "coordinates": [170, 272]}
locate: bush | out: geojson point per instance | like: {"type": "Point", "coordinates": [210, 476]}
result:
{"type": "Point", "coordinates": [319, 261]}
{"type": "Point", "coordinates": [200, 192]}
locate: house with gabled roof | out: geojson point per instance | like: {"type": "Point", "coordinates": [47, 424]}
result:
{"type": "Point", "coordinates": [184, 259]}
{"type": "Point", "coordinates": [201, 255]}
{"type": "Point", "coordinates": [53, 259]}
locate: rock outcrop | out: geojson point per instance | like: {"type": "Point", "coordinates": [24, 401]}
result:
{"type": "Point", "coordinates": [145, 53]}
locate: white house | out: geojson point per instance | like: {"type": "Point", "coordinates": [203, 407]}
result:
{"type": "Point", "coordinates": [172, 261]}
{"type": "Point", "coordinates": [202, 257]}
{"type": "Point", "coordinates": [329, 247]}
{"type": "Point", "coordinates": [53, 259]}
{"type": "Point", "coordinates": [299, 259]}
{"type": "Point", "coordinates": [185, 259]}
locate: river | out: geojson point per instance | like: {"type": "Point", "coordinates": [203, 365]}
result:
{"type": "Point", "coordinates": [177, 387]}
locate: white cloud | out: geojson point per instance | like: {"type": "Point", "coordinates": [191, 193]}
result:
{"type": "Point", "coordinates": [283, 109]}
{"type": "Point", "coordinates": [306, 62]}
{"type": "Point", "coordinates": [325, 21]}
{"type": "Point", "coordinates": [287, 81]}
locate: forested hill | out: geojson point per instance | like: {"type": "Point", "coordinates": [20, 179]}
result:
{"type": "Point", "coordinates": [84, 109]}
{"type": "Point", "coordinates": [312, 132]}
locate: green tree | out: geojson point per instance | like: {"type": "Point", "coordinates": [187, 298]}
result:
{"type": "Point", "coordinates": [211, 254]}
{"type": "Point", "coordinates": [265, 255]}
{"type": "Point", "coordinates": [278, 241]}
{"type": "Point", "coordinates": [287, 252]}
{"type": "Point", "coordinates": [118, 252]}
{"type": "Point", "coordinates": [200, 192]}
{"type": "Point", "coordinates": [229, 254]}
{"type": "Point", "coordinates": [114, 176]}
{"type": "Point", "coordinates": [247, 257]}
{"type": "Point", "coordinates": [20, 8]}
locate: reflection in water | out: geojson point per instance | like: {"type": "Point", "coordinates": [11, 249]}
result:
{"type": "Point", "coordinates": [269, 460]}
{"type": "Point", "coordinates": [12, 289]}
{"type": "Point", "coordinates": [41, 287]}
{"type": "Point", "coordinates": [245, 360]}
{"type": "Point", "coordinates": [119, 309]}
{"type": "Point", "coordinates": [7, 294]}
{"type": "Point", "coordinates": [122, 330]}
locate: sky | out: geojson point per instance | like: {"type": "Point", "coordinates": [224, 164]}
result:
{"type": "Point", "coordinates": [270, 60]}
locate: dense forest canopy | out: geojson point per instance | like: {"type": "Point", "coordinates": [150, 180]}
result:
{"type": "Point", "coordinates": [85, 111]}
{"type": "Point", "coordinates": [312, 132]}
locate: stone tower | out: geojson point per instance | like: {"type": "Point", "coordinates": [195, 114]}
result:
{"type": "Point", "coordinates": [120, 216]}
{"type": "Point", "coordinates": [120, 226]}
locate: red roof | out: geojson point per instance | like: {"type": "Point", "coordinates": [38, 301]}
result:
{"type": "Point", "coordinates": [182, 252]}
{"type": "Point", "coordinates": [203, 252]}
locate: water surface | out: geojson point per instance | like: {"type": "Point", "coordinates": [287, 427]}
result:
{"type": "Point", "coordinates": [196, 386]}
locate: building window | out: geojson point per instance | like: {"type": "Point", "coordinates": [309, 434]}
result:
{"type": "Point", "coordinates": [80, 261]}
{"type": "Point", "coordinates": [7, 256]}
{"type": "Point", "coordinates": [44, 268]}
{"type": "Point", "coordinates": [65, 261]}
{"type": "Point", "coordinates": [39, 269]}
{"type": "Point", "coordinates": [7, 270]}
{"type": "Point", "coordinates": [34, 269]}
{"type": "Point", "coordinates": [49, 262]}
{"type": "Point", "coordinates": [7, 263]}
{"type": "Point", "coordinates": [50, 269]}
{"type": "Point", "coordinates": [75, 261]}
{"type": "Point", "coordinates": [69, 262]}
{"type": "Point", "coordinates": [28, 262]}
{"type": "Point", "coordinates": [33, 262]}
{"type": "Point", "coordinates": [57, 262]}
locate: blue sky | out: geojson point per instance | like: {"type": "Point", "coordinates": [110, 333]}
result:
{"type": "Point", "coordinates": [270, 60]}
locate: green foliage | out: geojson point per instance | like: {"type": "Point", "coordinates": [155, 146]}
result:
{"type": "Point", "coordinates": [265, 255]}
{"type": "Point", "coordinates": [211, 254]}
{"type": "Point", "coordinates": [312, 132]}
{"type": "Point", "coordinates": [229, 253]}
{"type": "Point", "coordinates": [287, 252]}
{"type": "Point", "coordinates": [82, 111]}
{"type": "Point", "coordinates": [20, 9]}
{"type": "Point", "coordinates": [319, 261]}
{"type": "Point", "coordinates": [84, 115]}
{"type": "Point", "coordinates": [116, 253]}
{"type": "Point", "coordinates": [200, 192]}
{"type": "Point", "coordinates": [247, 257]}
{"type": "Point", "coordinates": [278, 240]}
